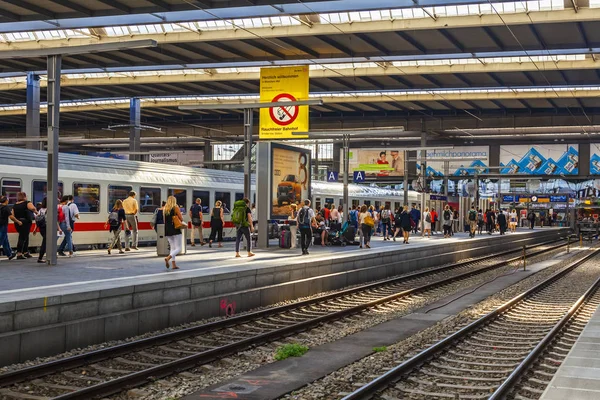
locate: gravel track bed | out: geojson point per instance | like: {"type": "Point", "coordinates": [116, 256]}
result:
{"type": "Point", "coordinates": [246, 361]}
{"type": "Point", "coordinates": [349, 378]}
{"type": "Point", "coordinates": [532, 385]}
{"type": "Point", "coordinates": [211, 374]}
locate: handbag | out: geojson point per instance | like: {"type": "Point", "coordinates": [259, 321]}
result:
{"type": "Point", "coordinates": [369, 221]}
{"type": "Point", "coordinates": [177, 223]}
{"type": "Point", "coordinates": [196, 221]}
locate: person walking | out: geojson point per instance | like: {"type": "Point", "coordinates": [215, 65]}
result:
{"type": "Point", "coordinates": [5, 215]}
{"type": "Point", "coordinates": [415, 215]}
{"type": "Point", "coordinates": [397, 225]}
{"type": "Point", "coordinates": [367, 223]}
{"type": "Point", "coordinates": [427, 222]}
{"type": "Point", "coordinates": [491, 221]}
{"type": "Point", "coordinates": [115, 222]}
{"type": "Point", "coordinates": [353, 218]}
{"type": "Point", "coordinates": [434, 220]}
{"type": "Point", "coordinates": [447, 221]}
{"type": "Point", "coordinates": [197, 219]}
{"type": "Point", "coordinates": [480, 221]}
{"type": "Point", "coordinates": [64, 226]}
{"type": "Point", "coordinates": [130, 205]}
{"type": "Point", "coordinates": [217, 222]}
{"type": "Point", "coordinates": [242, 218]}
{"type": "Point", "coordinates": [293, 223]}
{"type": "Point", "coordinates": [406, 224]}
{"type": "Point", "coordinates": [386, 222]}
{"type": "Point", "coordinates": [513, 220]}
{"type": "Point", "coordinates": [305, 216]}
{"type": "Point", "coordinates": [40, 226]}
{"type": "Point", "coordinates": [73, 214]}
{"type": "Point", "coordinates": [472, 217]}
{"type": "Point", "coordinates": [531, 219]}
{"type": "Point", "coordinates": [173, 219]}
{"type": "Point", "coordinates": [502, 223]}
{"type": "Point", "coordinates": [23, 211]}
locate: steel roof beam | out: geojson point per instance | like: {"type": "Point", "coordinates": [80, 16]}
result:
{"type": "Point", "coordinates": [372, 82]}
{"type": "Point", "coordinates": [202, 52]}
{"type": "Point", "coordinates": [9, 15]}
{"type": "Point", "coordinates": [300, 46]}
{"type": "Point", "coordinates": [75, 7]}
{"type": "Point", "coordinates": [450, 37]}
{"type": "Point", "coordinates": [336, 45]}
{"type": "Point", "coordinates": [373, 43]}
{"type": "Point", "coordinates": [117, 5]}
{"type": "Point", "coordinates": [262, 47]}
{"type": "Point", "coordinates": [494, 38]}
{"type": "Point", "coordinates": [32, 7]}
{"type": "Point", "coordinates": [410, 40]}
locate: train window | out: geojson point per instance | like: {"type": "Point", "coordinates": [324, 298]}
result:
{"type": "Point", "coordinates": [87, 197]}
{"type": "Point", "coordinates": [397, 205]}
{"type": "Point", "coordinates": [355, 203]}
{"type": "Point", "coordinates": [377, 205]}
{"type": "Point", "coordinates": [225, 198]}
{"type": "Point", "coordinates": [239, 196]}
{"type": "Point", "coordinates": [368, 203]}
{"type": "Point", "coordinates": [180, 195]}
{"type": "Point", "coordinates": [39, 189]}
{"type": "Point", "coordinates": [205, 197]}
{"type": "Point", "coordinates": [10, 188]}
{"type": "Point", "coordinates": [149, 199]}
{"type": "Point", "coordinates": [115, 193]}
{"type": "Point", "coordinates": [388, 204]}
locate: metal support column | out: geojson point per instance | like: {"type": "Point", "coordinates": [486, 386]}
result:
{"type": "Point", "coordinates": [446, 173]}
{"type": "Point", "coordinates": [32, 118]}
{"type": "Point", "coordinates": [54, 66]}
{"type": "Point", "coordinates": [248, 119]}
{"type": "Point", "coordinates": [405, 182]}
{"type": "Point", "coordinates": [476, 190]}
{"type": "Point", "coordinates": [134, 130]}
{"type": "Point", "coordinates": [346, 144]}
{"type": "Point", "coordinates": [423, 179]}
{"type": "Point", "coordinates": [316, 161]}
{"type": "Point", "coordinates": [263, 195]}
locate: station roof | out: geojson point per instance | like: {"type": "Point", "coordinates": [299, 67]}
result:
{"type": "Point", "coordinates": [405, 59]}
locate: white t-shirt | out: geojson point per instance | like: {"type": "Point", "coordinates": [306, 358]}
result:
{"type": "Point", "coordinates": [513, 217]}
{"type": "Point", "coordinates": [362, 216]}
{"type": "Point", "coordinates": [335, 215]}
{"type": "Point", "coordinates": [74, 210]}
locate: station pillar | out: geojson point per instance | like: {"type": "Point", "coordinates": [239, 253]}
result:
{"type": "Point", "coordinates": [32, 124]}
{"type": "Point", "coordinates": [134, 129]}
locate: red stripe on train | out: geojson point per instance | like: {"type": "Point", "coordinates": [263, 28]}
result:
{"type": "Point", "coordinates": [82, 226]}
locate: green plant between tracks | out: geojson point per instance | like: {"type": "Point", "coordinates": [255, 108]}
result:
{"type": "Point", "coordinates": [290, 350]}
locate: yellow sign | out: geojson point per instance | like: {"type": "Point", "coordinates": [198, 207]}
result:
{"type": "Point", "coordinates": [280, 85]}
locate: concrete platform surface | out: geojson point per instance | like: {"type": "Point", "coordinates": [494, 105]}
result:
{"type": "Point", "coordinates": [578, 378]}
{"type": "Point", "coordinates": [96, 270]}
{"type": "Point", "coordinates": [279, 378]}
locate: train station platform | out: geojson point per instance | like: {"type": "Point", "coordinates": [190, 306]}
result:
{"type": "Point", "coordinates": [578, 377]}
{"type": "Point", "coordinates": [93, 297]}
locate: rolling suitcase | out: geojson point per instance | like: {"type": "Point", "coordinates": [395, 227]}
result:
{"type": "Point", "coordinates": [285, 240]}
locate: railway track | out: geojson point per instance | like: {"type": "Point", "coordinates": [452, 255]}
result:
{"type": "Point", "coordinates": [488, 358]}
{"type": "Point", "coordinates": [114, 369]}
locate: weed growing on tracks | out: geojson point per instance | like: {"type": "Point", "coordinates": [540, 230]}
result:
{"type": "Point", "coordinates": [290, 350]}
{"type": "Point", "coordinates": [380, 349]}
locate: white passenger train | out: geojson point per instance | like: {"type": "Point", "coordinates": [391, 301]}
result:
{"type": "Point", "coordinates": [96, 183]}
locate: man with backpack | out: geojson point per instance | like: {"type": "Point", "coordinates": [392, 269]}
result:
{"type": "Point", "coordinates": [472, 221]}
{"type": "Point", "coordinates": [353, 217]}
{"type": "Point", "coordinates": [64, 227]}
{"type": "Point", "coordinates": [241, 216]}
{"type": "Point", "coordinates": [305, 216]}
{"type": "Point", "coordinates": [5, 215]}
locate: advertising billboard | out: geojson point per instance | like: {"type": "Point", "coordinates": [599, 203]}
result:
{"type": "Point", "coordinates": [375, 163]}
{"type": "Point", "coordinates": [283, 84]}
{"type": "Point", "coordinates": [290, 180]}
{"type": "Point", "coordinates": [594, 159]}
{"type": "Point", "coordinates": [551, 159]}
{"type": "Point", "coordinates": [456, 156]}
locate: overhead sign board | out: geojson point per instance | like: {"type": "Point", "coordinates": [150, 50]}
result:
{"type": "Point", "coordinates": [359, 176]}
{"type": "Point", "coordinates": [283, 84]}
{"type": "Point", "coordinates": [332, 176]}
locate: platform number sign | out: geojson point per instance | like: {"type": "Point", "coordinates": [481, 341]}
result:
{"type": "Point", "coordinates": [359, 176]}
{"type": "Point", "coordinates": [332, 176]}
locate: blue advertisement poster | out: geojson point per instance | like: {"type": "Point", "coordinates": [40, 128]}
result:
{"type": "Point", "coordinates": [463, 161]}
{"type": "Point", "coordinates": [594, 159]}
{"type": "Point", "coordinates": [540, 159]}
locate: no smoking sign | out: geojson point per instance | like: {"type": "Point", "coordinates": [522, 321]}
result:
{"type": "Point", "coordinates": [284, 115]}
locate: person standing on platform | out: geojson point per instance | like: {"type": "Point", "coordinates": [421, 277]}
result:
{"type": "Point", "coordinates": [242, 218]}
{"type": "Point", "coordinates": [173, 234]}
{"type": "Point", "coordinates": [406, 223]}
{"type": "Point", "coordinates": [115, 221]}
{"type": "Point", "coordinates": [23, 211]}
{"type": "Point", "coordinates": [415, 215]}
{"type": "Point", "coordinates": [502, 223]}
{"type": "Point", "coordinates": [434, 219]}
{"type": "Point", "coordinates": [74, 215]}
{"type": "Point", "coordinates": [480, 221]}
{"type": "Point", "coordinates": [472, 217]}
{"type": "Point", "coordinates": [5, 215]}
{"type": "Point", "coordinates": [531, 219]}
{"type": "Point", "coordinates": [491, 221]}
{"type": "Point", "coordinates": [367, 223]}
{"type": "Point", "coordinates": [64, 226]}
{"type": "Point", "coordinates": [40, 226]}
{"type": "Point", "coordinates": [386, 222]}
{"type": "Point", "coordinates": [513, 220]}
{"type": "Point", "coordinates": [130, 205]}
{"type": "Point", "coordinates": [397, 224]}
{"type": "Point", "coordinates": [427, 221]}
{"type": "Point", "coordinates": [353, 218]}
{"type": "Point", "coordinates": [335, 219]}
{"type": "Point", "coordinates": [305, 216]}
{"type": "Point", "coordinates": [447, 221]}
{"type": "Point", "coordinates": [197, 219]}
{"type": "Point", "coordinates": [217, 222]}
{"type": "Point", "coordinates": [293, 223]}
{"type": "Point", "coordinates": [254, 215]}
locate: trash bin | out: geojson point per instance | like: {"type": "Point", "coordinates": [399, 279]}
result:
{"type": "Point", "coordinates": [162, 245]}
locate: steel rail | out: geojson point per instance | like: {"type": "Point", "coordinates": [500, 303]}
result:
{"type": "Point", "coordinates": [380, 383]}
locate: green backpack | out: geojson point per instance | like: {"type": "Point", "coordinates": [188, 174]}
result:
{"type": "Point", "coordinates": [238, 215]}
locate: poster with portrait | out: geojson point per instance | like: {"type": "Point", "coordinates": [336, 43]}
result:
{"type": "Point", "coordinates": [375, 163]}
{"type": "Point", "coordinates": [290, 179]}
{"type": "Point", "coordinates": [547, 159]}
